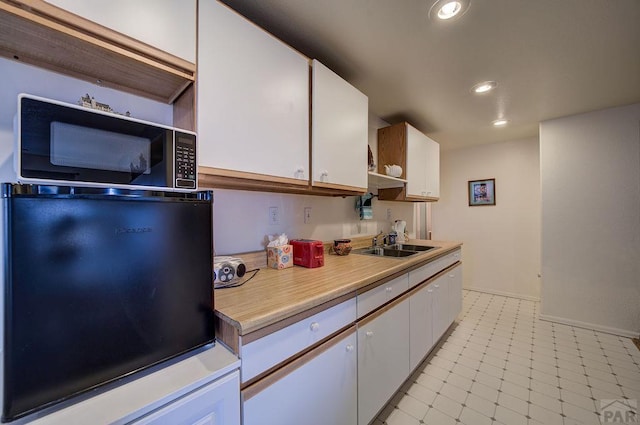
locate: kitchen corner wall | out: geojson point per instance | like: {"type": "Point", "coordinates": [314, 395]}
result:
{"type": "Point", "coordinates": [241, 219]}
{"type": "Point", "coordinates": [590, 173]}
{"type": "Point", "coordinates": [501, 243]}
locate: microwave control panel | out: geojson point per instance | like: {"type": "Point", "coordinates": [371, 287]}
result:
{"type": "Point", "coordinates": [185, 161]}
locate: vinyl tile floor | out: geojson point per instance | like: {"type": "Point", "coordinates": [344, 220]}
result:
{"type": "Point", "coordinates": [500, 364]}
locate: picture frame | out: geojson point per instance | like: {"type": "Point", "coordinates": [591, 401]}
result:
{"type": "Point", "coordinates": [482, 192]}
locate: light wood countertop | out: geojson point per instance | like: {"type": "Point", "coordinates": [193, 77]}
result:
{"type": "Point", "coordinates": [274, 295]}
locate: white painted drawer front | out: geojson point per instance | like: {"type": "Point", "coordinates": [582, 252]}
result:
{"type": "Point", "coordinates": [450, 258]}
{"type": "Point", "coordinates": [374, 298]}
{"type": "Point", "coordinates": [268, 351]}
{"type": "Point", "coordinates": [423, 273]}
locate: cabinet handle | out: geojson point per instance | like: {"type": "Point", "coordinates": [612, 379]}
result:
{"type": "Point", "coordinates": [437, 286]}
{"type": "Point", "coordinates": [452, 276]}
{"type": "Point", "coordinates": [389, 288]}
{"type": "Point", "coordinates": [430, 291]}
{"type": "Point", "coordinates": [323, 175]}
{"type": "Point", "coordinates": [299, 173]}
{"type": "Point", "coordinates": [315, 326]}
{"type": "Point", "coordinates": [369, 334]}
{"type": "Point", "coordinates": [349, 348]}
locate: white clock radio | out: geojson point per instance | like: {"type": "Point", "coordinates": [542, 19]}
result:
{"type": "Point", "coordinates": [227, 269]}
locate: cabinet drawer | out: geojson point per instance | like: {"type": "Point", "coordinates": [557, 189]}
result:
{"type": "Point", "coordinates": [374, 298]}
{"type": "Point", "coordinates": [268, 351]}
{"type": "Point", "coordinates": [423, 273]}
{"type": "Point", "coordinates": [450, 258]}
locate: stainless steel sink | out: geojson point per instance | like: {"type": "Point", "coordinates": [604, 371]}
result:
{"type": "Point", "coordinates": [409, 247]}
{"type": "Point", "coordinates": [397, 250]}
{"type": "Point", "coordinates": [384, 252]}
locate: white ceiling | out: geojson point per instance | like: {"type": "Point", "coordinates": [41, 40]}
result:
{"type": "Point", "coordinates": [551, 58]}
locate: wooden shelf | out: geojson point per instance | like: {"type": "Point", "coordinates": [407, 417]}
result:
{"type": "Point", "coordinates": [39, 34]}
{"type": "Point", "coordinates": [216, 178]}
{"type": "Point", "coordinates": [381, 181]}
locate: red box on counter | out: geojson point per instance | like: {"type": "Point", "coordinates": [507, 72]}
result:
{"type": "Point", "coordinates": [307, 253]}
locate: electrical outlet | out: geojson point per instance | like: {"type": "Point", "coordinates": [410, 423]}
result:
{"type": "Point", "coordinates": [274, 216]}
{"type": "Point", "coordinates": [307, 215]}
{"type": "Point", "coordinates": [388, 214]}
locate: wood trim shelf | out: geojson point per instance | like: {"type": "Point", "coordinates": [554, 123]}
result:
{"type": "Point", "coordinates": [218, 178]}
{"type": "Point", "coordinates": [39, 34]}
{"type": "Point", "coordinates": [381, 181]}
{"type": "Point", "coordinates": [400, 194]}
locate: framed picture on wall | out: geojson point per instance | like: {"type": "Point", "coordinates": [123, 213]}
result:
{"type": "Point", "coordinates": [482, 192]}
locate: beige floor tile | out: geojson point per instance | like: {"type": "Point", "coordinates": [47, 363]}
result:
{"type": "Point", "coordinates": [503, 366]}
{"type": "Point", "coordinates": [471, 417]}
{"type": "Point", "coordinates": [513, 403]}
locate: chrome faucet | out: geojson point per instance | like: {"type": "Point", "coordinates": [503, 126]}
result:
{"type": "Point", "coordinates": [374, 242]}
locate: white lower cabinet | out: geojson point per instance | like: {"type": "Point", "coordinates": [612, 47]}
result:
{"type": "Point", "coordinates": [350, 377]}
{"type": "Point", "coordinates": [454, 277]}
{"type": "Point", "coordinates": [318, 388]}
{"type": "Point", "coordinates": [440, 306]}
{"type": "Point", "coordinates": [383, 358]}
{"type": "Point", "coordinates": [420, 325]}
{"type": "Point", "coordinates": [215, 404]}
{"type": "Point", "coordinates": [264, 353]}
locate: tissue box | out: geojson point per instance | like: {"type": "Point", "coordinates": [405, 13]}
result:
{"type": "Point", "coordinates": [280, 257]}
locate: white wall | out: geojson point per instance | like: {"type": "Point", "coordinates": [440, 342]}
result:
{"type": "Point", "coordinates": [501, 243]}
{"type": "Point", "coordinates": [590, 176]}
{"type": "Point", "coordinates": [241, 219]}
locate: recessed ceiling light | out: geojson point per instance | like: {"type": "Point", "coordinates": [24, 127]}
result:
{"type": "Point", "coordinates": [448, 9]}
{"type": "Point", "coordinates": [500, 123]}
{"type": "Point", "coordinates": [484, 87]}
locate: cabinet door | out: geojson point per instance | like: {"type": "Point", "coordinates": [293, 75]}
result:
{"type": "Point", "coordinates": [215, 404]}
{"type": "Point", "coordinates": [416, 163]}
{"type": "Point", "coordinates": [420, 325]}
{"type": "Point", "coordinates": [383, 358]}
{"type": "Point", "coordinates": [339, 129]}
{"type": "Point", "coordinates": [455, 292]}
{"type": "Point", "coordinates": [317, 389]}
{"type": "Point", "coordinates": [440, 306]}
{"type": "Point", "coordinates": [432, 164]}
{"type": "Point", "coordinates": [169, 25]}
{"type": "Point", "coordinates": [253, 99]}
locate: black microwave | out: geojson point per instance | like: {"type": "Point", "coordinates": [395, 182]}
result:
{"type": "Point", "coordinates": [60, 143]}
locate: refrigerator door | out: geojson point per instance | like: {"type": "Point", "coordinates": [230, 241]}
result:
{"type": "Point", "coordinates": [98, 287]}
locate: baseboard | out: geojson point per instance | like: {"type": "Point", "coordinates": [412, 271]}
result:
{"type": "Point", "coordinates": [591, 326]}
{"type": "Point", "coordinates": [504, 294]}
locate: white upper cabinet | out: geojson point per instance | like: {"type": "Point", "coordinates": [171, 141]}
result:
{"type": "Point", "coordinates": [339, 131]}
{"type": "Point", "coordinates": [416, 162]}
{"type": "Point", "coordinates": [433, 168]}
{"type": "Point", "coordinates": [168, 25]}
{"type": "Point", "coordinates": [418, 155]}
{"type": "Point", "coordinates": [252, 99]}
{"type": "Point", "coordinates": [423, 165]}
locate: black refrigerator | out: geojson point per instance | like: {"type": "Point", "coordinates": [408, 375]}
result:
{"type": "Point", "coordinates": [100, 284]}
